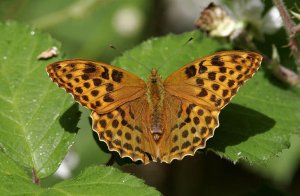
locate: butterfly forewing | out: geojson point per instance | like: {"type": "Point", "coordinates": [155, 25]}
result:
{"type": "Point", "coordinates": [213, 80]}
{"type": "Point", "coordinates": [98, 86]}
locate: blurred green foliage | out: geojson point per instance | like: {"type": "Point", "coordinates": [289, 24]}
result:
{"type": "Point", "coordinates": [87, 27]}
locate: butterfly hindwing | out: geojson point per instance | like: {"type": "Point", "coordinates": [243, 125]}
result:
{"type": "Point", "coordinates": [187, 128]}
{"type": "Point", "coordinates": [126, 130]}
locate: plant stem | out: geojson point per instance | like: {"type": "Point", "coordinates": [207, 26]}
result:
{"type": "Point", "coordinates": [35, 178]}
{"type": "Point", "coordinates": [282, 73]}
{"type": "Point", "coordinates": [290, 29]}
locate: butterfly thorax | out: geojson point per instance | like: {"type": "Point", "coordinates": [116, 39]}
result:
{"type": "Point", "coordinates": [155, 95]}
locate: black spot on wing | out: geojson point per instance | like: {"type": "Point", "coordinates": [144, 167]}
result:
{"type": "Point", "coordinates": [117, 76]}
{"type": "Point", "coordinates": [105, 73]}
{"type": "Point", "coordinates": [97, 81]}
{"type": "Point", "coordinates": [107, 98]}
{"type": "Point", "coordinates": [85, 77]}
{"type": "Point", "coordinates": [216, 61]}
{"type": "Point", "coordinates": [190, 71]}
{"type": "Point", "coordinates": [90, 68]}
{"type": "Point", "coordinates": [109, 87]}
{"type": "Point", "coordinates": [202, 69]}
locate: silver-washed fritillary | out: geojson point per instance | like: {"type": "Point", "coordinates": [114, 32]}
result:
{"type": "Point", "coordinates": [160, 120]}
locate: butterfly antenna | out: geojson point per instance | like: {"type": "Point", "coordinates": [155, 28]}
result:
{"type": "Point", "coordinates": [131, 57]}
{"type": "Point", "coordinates": [188, 41]}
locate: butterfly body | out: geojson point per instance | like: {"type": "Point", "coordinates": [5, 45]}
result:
{"type": "Point", "coordinates": [155, 93]}
{"type": "Point", "coordinates": [158, 120]}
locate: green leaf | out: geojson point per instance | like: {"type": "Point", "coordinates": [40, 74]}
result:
{"type": "Point", "coordinates": [12, 176]}
{"type": "Point", "coordinates": [259, 123]}
{"type": "Point", "coordinates": [38, 120]}
{"type": "Point", "coordinates": [99, 180]}
{"type": "Point", "coordinates": [168, 53]}
{"type": "Point", "coordinates": [255, 126]}
{"type": "Point", "coordinates": [103, 180]}
{"type": "Point", "coordinates": [281, 169]}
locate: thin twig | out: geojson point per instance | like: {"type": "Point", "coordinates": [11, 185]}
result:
{"type": "Point", "coordinates": [286, 75]}
{"type": "Point", "coordinates": [282, 73]}
{"type": "Point", "coordinates": [290, 29]}
{"type": "Point", "coordinates": [287, 21]}
{"type": "Point", "coordinates": [296, 29]}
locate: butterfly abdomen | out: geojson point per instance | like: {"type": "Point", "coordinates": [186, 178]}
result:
{"type": "Point", "coordinates": [155, 96]}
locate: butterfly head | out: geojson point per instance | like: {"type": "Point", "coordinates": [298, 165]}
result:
{"type": "Point", "coordinates": [154, 72]}
{"type": "Point", "coordinates": [154, 76]}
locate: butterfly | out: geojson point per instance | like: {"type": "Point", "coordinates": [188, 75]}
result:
{"type": "Point", "coordinates": [158, 120]}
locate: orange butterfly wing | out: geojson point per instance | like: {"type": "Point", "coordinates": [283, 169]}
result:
{"type": "Point", "coordinates": [98, 86]}
{"type": "Point", "coordinates": [120, 108]}
{"type": "Point", "coordinates": [127, 130]}
{"type": "Point", "coordinates": [196, 93]}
